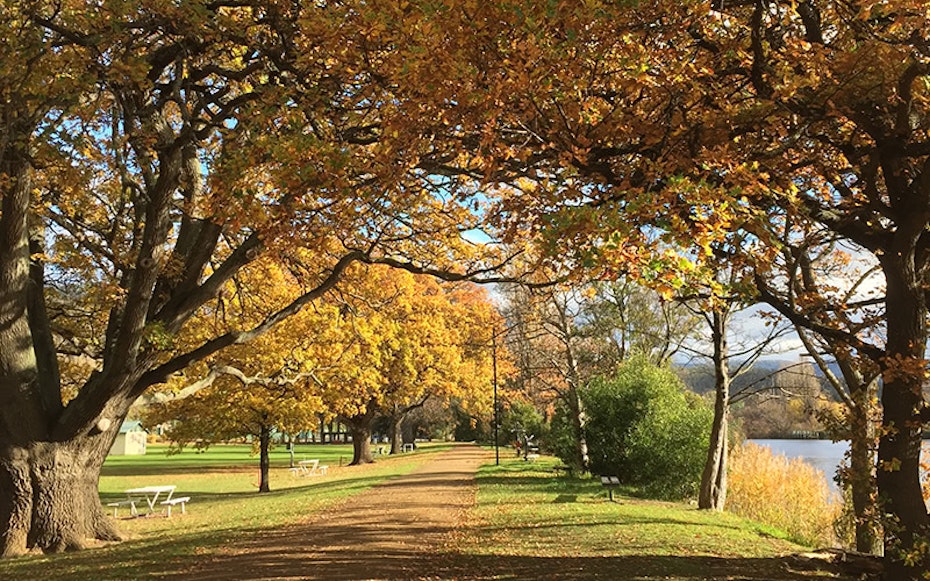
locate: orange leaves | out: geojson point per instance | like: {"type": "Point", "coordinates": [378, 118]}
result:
{"type": "Point", "coordinates": [905, 369]}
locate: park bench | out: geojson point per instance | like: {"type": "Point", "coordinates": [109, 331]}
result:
{"type": "Point", "coordinates": [130, 503]}
{"type": "Point", "coordinates": [182, 500]}
{"type": "Point", "coordinates": [531, 457]}
{"type": "Point", "coordinates": [610, 483]}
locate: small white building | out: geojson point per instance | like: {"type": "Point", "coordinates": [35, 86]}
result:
{"type": "Point", "coordinates": [130, 440]}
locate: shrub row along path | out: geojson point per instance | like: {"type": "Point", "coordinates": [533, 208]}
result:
{"type": "Point", "coordinates": [396, 530]}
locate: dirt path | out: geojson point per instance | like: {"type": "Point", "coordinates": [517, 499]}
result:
{"type": "Point", "coordinates": [392, 531]}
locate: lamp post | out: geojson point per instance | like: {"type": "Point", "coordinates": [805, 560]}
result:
{"type": "Point", "coordinates": [497, 450]}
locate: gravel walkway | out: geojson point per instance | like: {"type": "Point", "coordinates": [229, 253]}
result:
{"type": "Point", "coordinates": [393, 531]}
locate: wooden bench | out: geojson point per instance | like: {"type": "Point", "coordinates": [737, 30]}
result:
{"type": "Point", "coordinates": [182, 500]}
{"type": "Point", "coordinates": [610, 482]}
{"type": "Point", "coordinates": [130, 503]}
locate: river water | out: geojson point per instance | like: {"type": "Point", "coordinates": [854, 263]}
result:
{"type": "Point", "coordinates": [822, 454]}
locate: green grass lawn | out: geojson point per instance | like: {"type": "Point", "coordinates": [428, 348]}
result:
{"type": "Point", "coordinates": [529, 521]}
{"type": "Point", "coordinates": [225, 506]}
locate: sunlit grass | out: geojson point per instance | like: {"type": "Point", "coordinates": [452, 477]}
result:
{"type": "Point", "coordinates": [225, 507]}
{"type": "Point", "coordinates": [523, 509]}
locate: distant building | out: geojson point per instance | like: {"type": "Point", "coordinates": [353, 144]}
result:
{"type": "Point", "coordinates": [130, 441]}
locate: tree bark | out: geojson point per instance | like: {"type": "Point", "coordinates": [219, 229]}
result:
{"type": "Point", "coordinates": [264, 459]}
{"type": "Point", "coordinates": [714, 478]}
{"type": "Point", "coordinates": [397, 433]}
{"type": "Point", "coordinates": [898, 473]}
{"type": "Point", "coordinates": [361, 443]}
{"type": "Point", "coordinates": [48, 495]}
{"type": "Point", "coordinates": [360, 427]}
{"type": "Point", "coordinates": [862, 471]}
{"type": "Point", "coordinates": [582, 460]}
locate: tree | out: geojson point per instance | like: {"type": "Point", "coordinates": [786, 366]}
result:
{"type": "Point", "coordinates": [148, 154]}
{"type": "Point", "coordinates": [717, 300]}
{"type": "Point", "coordinates": [634, 320]}
{"type": "Point", "coordinates": [822, 272]}
{"type": "Point", "coordinates": [238, 406]}
{"type": "Point", "coordinates": [416, 340]}
{"type": "Point", "coordinates": [671, 124]}
{"type": "Point", "coordinates": [447, 325]}
{"type": "Point", "coordinates": [543, 333]}
{"type": "Point", "coordinates": [271, 384]}
{"type": "Point", "coordinates": [562, 337]}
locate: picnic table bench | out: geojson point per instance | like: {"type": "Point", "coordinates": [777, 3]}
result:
{"type": "Point", "coordinates": [610, 482]}
{"type": "Point", "coordinates": [130, 503]}
{"type": "Point", "coordinates": [151, 495]}
{"type": "Point", "coordinates": [182, 500]}
{"type": "Point", "coordinates": [309, 468]}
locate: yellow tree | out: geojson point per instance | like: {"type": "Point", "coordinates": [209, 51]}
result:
{"type": "Point", "coordinates": [414, 339]}
{"type": "Point", "coordinates": [269, 385]}
{"type": "Point", "coordinates": [149, 152]}
{"type": "Point", "coordinates": [450, 332]}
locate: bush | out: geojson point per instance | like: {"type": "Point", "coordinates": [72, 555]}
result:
{"type": "Point", "coordinates": [646, 428]}
{"type": "Point", "coordinates": [787, 494]}
{"type": "Point", "coordinates": [520, 419]}
{"type": "Point", "coordinates": [561, 440]}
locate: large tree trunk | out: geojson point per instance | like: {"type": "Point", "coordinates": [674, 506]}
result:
{"type": "Point", "coordinates": [898, 472]}
{"type": "Point", "coordinates": [361, 443]}
{"type": "Point", "coordinates": [714, 478]}
{"type": "Point", "coordinates": [48, 482]}
{"type": "Point", "coordinates": [264, 460]}
{"type": "Point", "coordinates": [48, 495]}
{"type": "Point", "coordinates": [360, 427]}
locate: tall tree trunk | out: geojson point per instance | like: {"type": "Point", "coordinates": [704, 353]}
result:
{"type": "Point", "coordinates": [397, 432]}
{"type": "Point", "coordinates": [48, 482]}
{"type": "Point", "coordinates": [582, 460]}
{"type": "Point", "coordinates": [264, 459]}
{"type": "Point", "coordinates": [714, 478]}
{"type": "Point", "coordinates": [898, 473]}
{"type": "Point", "coordinates": [862, 470]}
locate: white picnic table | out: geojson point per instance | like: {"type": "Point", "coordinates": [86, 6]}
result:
{"type": "Point", "coordinates": [151, 494]}
{"type": "Point", "coordinates": [309, 468]}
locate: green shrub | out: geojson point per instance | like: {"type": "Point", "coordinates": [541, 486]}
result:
{"type": "Point", "coordinates": [646, 428]}
{"type": "Point", "coordinates": [520, 418]}
{"type": "Point", "coordinates": [562, 441]}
